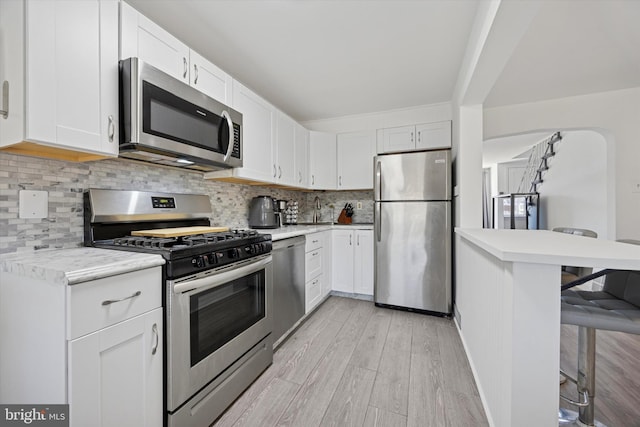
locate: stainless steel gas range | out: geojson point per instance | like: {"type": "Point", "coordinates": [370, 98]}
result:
{"type": "Point", "coordinates": [217, 294]}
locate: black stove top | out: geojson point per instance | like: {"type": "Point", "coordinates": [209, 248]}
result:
{"type": "Point", "coordinates": [195, 253]}
{"type": "Point", "coordinates": [208, 240]}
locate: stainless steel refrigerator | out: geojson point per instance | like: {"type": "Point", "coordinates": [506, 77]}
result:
{"type": "Point", "coordinates": [412, 226]}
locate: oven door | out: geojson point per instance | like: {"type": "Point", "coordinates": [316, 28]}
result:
{"type": "Point", "coordinates": [214, 318]}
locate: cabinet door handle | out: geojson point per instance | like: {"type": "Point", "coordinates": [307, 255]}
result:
{"type": "Point", "coordinates": [154, 331]}
{"type": "Point", "coordinates": [279, 172]}
{"type": "Point", "coordinates": [313, 180]}
{"type": "Point", "coordinates": [111, 301]}
{"type": "Point", "coordinates": [111, 129]}
{"type": "Point", "coordinates": [195, 70]}
{"type": "Point", "coordinates": [358, 240]}
{"type": "Point", "coordinates": [340, 180]}
{"type": "Point", "coordinates": [350, 239]}
{"type": "Point", "coordinates": [299, 176]}
{"type": "Point", "coordinates": [274, 170]}
{"type": "Point", "coordinates": [314, 254]}
{"type": "Point", "coordinates": [5, 99]}
{"type": "Point", "coordinates": [186, 67]}
{"type": "Point", "coordinates": [411, 136]}
{"type": "Point", "coordinates": [419, 135]}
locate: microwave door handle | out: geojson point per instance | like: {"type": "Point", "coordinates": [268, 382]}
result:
{"type": "Point", "coordinates": [226, 116]}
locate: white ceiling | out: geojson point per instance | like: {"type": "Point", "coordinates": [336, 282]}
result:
{"type": "Point", "coordinates": [318, 59]}
{"type": "Point", "coordinates": [573, 48]}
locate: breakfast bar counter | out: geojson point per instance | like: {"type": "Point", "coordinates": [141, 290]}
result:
{"type": "Point", "coordinates": [508, 313]}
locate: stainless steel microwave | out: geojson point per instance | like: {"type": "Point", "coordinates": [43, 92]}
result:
{"type": "Point", "coordinates": [166, 121]}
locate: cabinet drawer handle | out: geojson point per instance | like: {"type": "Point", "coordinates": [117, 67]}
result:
{"type": "Point", "coordinates": [195, 70]}
{"type": "Point", "coordinates": [314, 254]}
{"type": "Point", "coordinates": [5, 99]}
{"type": "Point", "coordinates": [186, 67]}
{"type": "Point", "coordinates": [315, 241]}
{"type": "Point", "coordinates": [111, 128]}
{"type": "Point", "coordinates": [111, 301]}
{"type": "Point", "coordinates": [154, 331]}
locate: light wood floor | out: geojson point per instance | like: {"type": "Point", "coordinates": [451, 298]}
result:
{"type": "Point", "coordinates": [354, 364]}
{"type": "Point", "coordinates": [617, 375]}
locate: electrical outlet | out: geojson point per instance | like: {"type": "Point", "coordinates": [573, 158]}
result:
{"type": "Point", "coordinates": [358, 205]}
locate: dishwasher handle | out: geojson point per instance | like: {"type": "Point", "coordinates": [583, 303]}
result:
{"type": "Point", "coordinates": [288, 243]}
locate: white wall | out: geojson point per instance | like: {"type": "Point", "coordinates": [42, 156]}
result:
{"type": "Point", "coordinates": [574, 191]}
{"type": "Point", "coordinates": [614, 114]}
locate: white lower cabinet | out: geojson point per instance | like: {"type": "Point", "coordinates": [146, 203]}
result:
{"type": "Point", "coordinates": [352, 258]}
{"type": "Point", "coordinates": [96, 345]}
{"type": "Point", "coordinates": [115, 374]}
{"type": "Point", "coordinates": [316, 265]}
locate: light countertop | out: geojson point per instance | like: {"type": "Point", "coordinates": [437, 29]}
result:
{"type": "Point", "coordinates": [548, 247]}
{"type": "Point", "coordinates": [300, 230]}
{"type": "Point", "coordinates": [75, 265]}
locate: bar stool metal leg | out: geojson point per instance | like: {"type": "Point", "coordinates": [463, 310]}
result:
{"type": "Point", "coordinates": [586, 383]}
{"type": "Point", "coordinates": [587, 372]}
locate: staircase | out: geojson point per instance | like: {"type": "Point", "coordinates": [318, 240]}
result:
{"type": "Point", "coordinates": [538, 163]}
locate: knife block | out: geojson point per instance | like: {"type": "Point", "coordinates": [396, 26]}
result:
{"type": "Point", "coordinates": [343, 218]}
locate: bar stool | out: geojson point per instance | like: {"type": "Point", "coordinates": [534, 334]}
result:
{"type": "Point", "coordinates": [615, 308]}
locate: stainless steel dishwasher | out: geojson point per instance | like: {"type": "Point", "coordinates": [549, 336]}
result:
{"type": "Point", "coordinates": [288, 284]}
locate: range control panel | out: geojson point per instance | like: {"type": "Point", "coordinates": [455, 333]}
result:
{"type": "Point", "coordinates": [163, 202]}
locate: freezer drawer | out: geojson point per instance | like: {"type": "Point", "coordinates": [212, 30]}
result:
{"type": "Point", "coordinates": [413, 255]}
{"type": "Point", "coordinates": [421, 175]}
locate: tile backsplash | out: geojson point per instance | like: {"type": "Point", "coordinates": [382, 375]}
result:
{"type": "Point", "coordinates": [65, 183]}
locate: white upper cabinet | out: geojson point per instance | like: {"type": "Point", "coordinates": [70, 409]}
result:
{"type": "Point", "coordinates": [301, 156]}
{"type": "Point", "coordinates": [69, 78]}
{"type": "Point", "coordinates": [427, 136]}
{"type": "Point", "coordinates": [283, 150]}
{"type": "Point", "coordinates": [258, 117]}
{"type": "Point", "coordinates": [209, 79]}
{"type": "Point", "coordinates": [355, 152]}
{"type": "Point", "coordinates": [322, 161]}
{"type": "Point", "coordinates": [433, 135]}
{"type": "Point", "coordinates": [142, 38]}
{"type": "Point", "coordinates": [399, 139]}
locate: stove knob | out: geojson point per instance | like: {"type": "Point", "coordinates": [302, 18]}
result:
{"type": "Point", "coordinates": [234, 253]}
{"type": "Point", "coordinates": [249, 249]}
{"type": "Point", "coordinates": [198, 262]}
{"type": "Point", "coordinates": [212, 259]}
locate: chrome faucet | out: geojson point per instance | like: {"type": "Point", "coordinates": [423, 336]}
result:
{"type": "Point", "coordinates": [316, 210]}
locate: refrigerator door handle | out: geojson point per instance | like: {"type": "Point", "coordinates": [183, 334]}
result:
{"type": "Point", "coordinates": [379, 179]}
{"type": "Point", "coordinates": [378, 221]}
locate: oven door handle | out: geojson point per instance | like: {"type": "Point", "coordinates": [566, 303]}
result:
{"type": "Point", "coordinates": [220, 278]}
